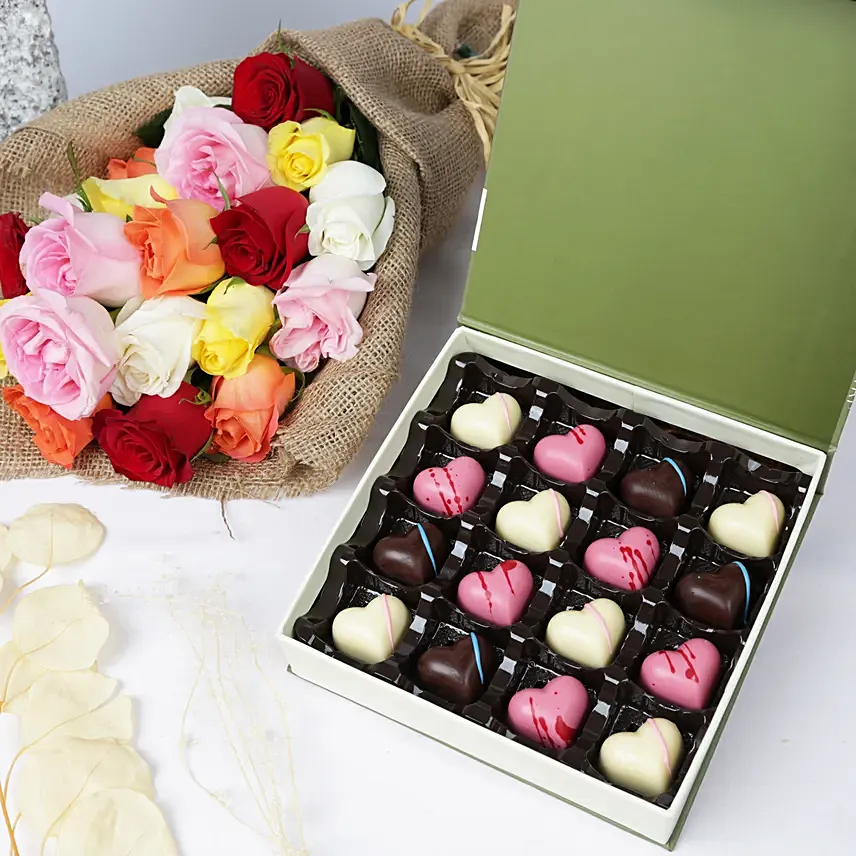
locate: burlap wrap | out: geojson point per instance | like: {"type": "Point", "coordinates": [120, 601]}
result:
{"type": "Point", "coordinates": [431, 155]}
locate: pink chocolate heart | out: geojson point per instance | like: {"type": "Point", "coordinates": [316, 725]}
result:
{"type": "Point", "coordinates": [573, 457]}
{"type": "Point", "coordinates": [551, 716]}
{"type": "Point", "coordinates": [685, 677]}
{"type": "Point", "coordinates": [499, 596]}
{"type": "Point", "coordinates": [450, 490]}
{"type": "Point", "coordinates": [627, 562]}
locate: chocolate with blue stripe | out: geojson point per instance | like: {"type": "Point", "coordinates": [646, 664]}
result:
{"type": "Point", "coordinates": [658, 491]}
{"type": "Point", "coordinates": [460, 672]}
{"type": "Point", "coordinates": [719, 599]}
{"type": "Point", "coordinates": [412, 559]}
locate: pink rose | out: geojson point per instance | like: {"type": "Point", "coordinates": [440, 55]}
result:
{"type": "Point", "coordinates": [319, 306]}
{"type": "Point", "coordinates": [62, 350]}
{"type": "Point", "coordinates": [204, 144]}
{"type": "Point", "coordinates": [79, 254]}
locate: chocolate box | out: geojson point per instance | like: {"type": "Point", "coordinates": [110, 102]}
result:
{"type": "Point", "coordinates": [665, 251]}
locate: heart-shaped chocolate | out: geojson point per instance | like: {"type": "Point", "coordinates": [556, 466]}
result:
{"type": "Point", "coordinates": [371, 633]}
{"type": "Point", "coordinates": [537, 525]}
{"type": "Point", "coordinates": [627, 562]}
{"type": "Point", "coordinates": [573, 457]}
{"type": "Point", "coordinates": [489, 423]}
{"type": "Point", "coordinates": [589, 636]}
{"type": "Point", "coordinates": [752, 527]}
{"type": "Point", "coordinates": [718, 599]}
{"type": "Point", "coordinates": [414, 558]}
{"type": "Point", "coordinates": [643, 761]}
{"type": "Point", "coordinates": [451, 490]}
{"type": "Point", "coordinates": [458, 672]}
{"type": "Point", "coordinates": [499, 596]}
{"type": "Point", "coordinates": [659, 491]}
{"type": "Point", "coordinates": [685, 677]}
{"type": "Point", "coordinates": [552, 715]}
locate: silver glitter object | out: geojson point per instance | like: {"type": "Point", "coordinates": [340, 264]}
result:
{"type": "Point", "coordinates": [30, 78]}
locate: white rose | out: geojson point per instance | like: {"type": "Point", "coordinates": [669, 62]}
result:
{"type": "Point", "coordinates": [155, 338]}
{"type": "Point", "coordinates": [349, 215]}
{"type": "Point", "coordinates": [190, 96]}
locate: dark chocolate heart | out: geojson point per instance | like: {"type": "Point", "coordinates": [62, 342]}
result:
{"type": "Point", "coordinates": [459, 672]}
{"type": "Point", "coordinates": [717, 599]}
{"type": "Point", "coordinates": [660, 491]}
{"type": "Point", "coordinates": [406, 558]}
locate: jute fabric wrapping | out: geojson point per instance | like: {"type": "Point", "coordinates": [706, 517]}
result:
{"type": "Point", "coordinates": [431, 154]}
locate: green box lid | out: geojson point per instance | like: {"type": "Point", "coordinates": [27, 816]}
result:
{"type": "Point", "coordinates": [672, 201]}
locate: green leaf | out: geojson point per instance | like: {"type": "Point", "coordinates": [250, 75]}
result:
{"type": "Point", "coordinates": [204, 450]}
{"type": "Point", "coordinates": [227, 203]}
{"type": "Point", "coordinates": [203, 295]}
{"type": "Point", "coordinates": [299, 386]}
{"type": "Point", "coordinates": [143, 160]}
{"type": "Point", "coordinates": [367, 147]}
{"type": "Point", "coordinates": [320, 112]}
{"type": "Point", "coordinates": [304, 229]}
{"type": "Point", "coordinates": [128, 218]}
{"type": "Point", "coordinates": [282, 46]}
{"type": "Point", "coordinates": [465, 52]}
{"type": "Point", "coordinates": [151, 132]}
{"type": "Point", "coordinates": [78, 177]}
{"type": "Point", "coordinates": [114, 314]}
{"type": "Point", "coordinates": [275, 328]}
{"type": "Point", "coordinates": [218, 458]}
{"type": "Point", "coordinates": [212, 242]}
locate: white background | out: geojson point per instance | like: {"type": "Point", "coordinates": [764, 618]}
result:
{"type": "Point", "coordinates": [781, 781]}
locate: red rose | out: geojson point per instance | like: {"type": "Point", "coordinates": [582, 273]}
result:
{"type": "Point", "coordinates": [260, 238]}
{"type": "Point", "coordinates": [12, 231]}
{"type": "Point", "coordinates": [156, 440]}
{"type": "Point", "coordinates": [273, 88]}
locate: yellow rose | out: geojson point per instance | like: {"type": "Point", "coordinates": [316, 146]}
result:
{"type": "Point", "coordinates": [298, 155]}
{"type": "Point", "coordinates": [4, 369]}
{"type": "Point", "coordinates": [120, 195]}
{"type": "Point", "coordinates": [237, 320]}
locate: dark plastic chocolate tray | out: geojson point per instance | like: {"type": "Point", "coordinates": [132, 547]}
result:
{"type": "Point", "coordinates": [721, 474]}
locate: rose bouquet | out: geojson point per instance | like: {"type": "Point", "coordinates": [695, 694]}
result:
{"type": "Point", "coordinates": [173, 309]}
{"type": "Point", "coordinates": [243, 276]}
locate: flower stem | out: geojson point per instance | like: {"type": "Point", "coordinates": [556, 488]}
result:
{"type": "Point", "coordinates": [21, 588]}
{"type": "Point", "coordinates": [13, 844]}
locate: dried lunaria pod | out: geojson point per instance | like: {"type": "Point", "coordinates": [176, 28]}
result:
{"type": "Point", "coordinates": [76, 704]}
{"type": "Point", "coordinates": [60, 628]}
{"type": "Point", "coordinates": [113, 823]}
{"type": "Point", "coordinates": [17, 674]}
{"type": "Point", "coordinates": [55, 534]}
{"type": "Point", "coordinates": [79, 781]}
{"type": "Point", "coordinates": [5, 552]}
{"type": "Point", "coordinates": [59, 771]}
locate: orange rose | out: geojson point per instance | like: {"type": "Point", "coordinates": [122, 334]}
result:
{"type": "Point", "coordinates": [246, 409]}
{"type": "Point", "coordinates": [142, 162]}
{"type": "Point", "coordinates": [180, 255]}
{"type": "Point", "coordinates": [59, 439]}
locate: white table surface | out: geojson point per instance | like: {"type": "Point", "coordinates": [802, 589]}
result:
{"type": "Point", "coordinates": [781, 780]}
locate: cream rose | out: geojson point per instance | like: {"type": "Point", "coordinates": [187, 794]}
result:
{"type": "Point", "coordinates": [349, 215]}
{"type": "Point", "coordinates": [155, 338]}
{"type": "Point", "coordinates": [190, 96]}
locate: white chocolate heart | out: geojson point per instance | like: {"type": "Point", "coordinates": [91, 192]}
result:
{"type": "Point", "coordinates": [489, 423]}
{"type": "Point", "coordinates": [589, 636]}
{"type": "Point", "coordinates": [752, 527]}
{"type": "Point", "coordinates": [371, 633]}
{"type": "Point", "coordinates": [643, 761]}
{"type": "Point", "coordinates": [537, 525]}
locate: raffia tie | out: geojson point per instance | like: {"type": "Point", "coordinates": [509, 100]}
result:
{"type": "Point", "coordinates": [478, 79]}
